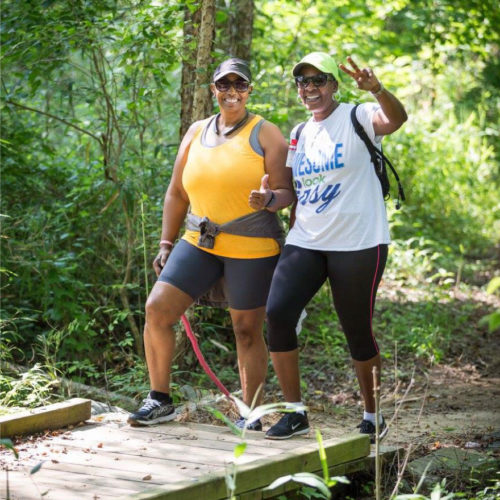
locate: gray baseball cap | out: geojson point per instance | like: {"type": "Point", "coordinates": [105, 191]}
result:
{"type": "Point", "coordinates": [233, 65]}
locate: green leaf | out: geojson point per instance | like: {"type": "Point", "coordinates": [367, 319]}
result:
{"type": "Point", "coordinates": [262, 410]}
{"type": "Point", "coordinates": [243, 409]}
{"type": "Point", "coordinates": [493, 285]}
{"type": "Point", "coordinates": [9, 445]}
{"type": "Point", "coordinates": [303, 478]}
{"type": "Point", "coordinates": [239, 449]}
{"type": "Point", "coordinates": [217, 414]}
{"type": "Point", "coordinates": [37, 467]}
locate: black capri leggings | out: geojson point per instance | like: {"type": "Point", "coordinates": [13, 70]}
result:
{"type": "Point", "coordinates": [354, 278]}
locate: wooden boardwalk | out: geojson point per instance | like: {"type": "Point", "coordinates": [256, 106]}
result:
{"type": "Point", "coordinates": [104, 460]}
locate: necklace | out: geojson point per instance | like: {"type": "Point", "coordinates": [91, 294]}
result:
{"type": "Point", "coordinates": [233, 128]}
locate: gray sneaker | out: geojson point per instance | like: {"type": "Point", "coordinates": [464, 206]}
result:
{"type": "Point", "coordinates": [256, 425]}
{"type": "Point", "coordinates": [152, 412]}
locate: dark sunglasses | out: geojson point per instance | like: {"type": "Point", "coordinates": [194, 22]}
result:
{"type": "Point", "coordinates": [317, 80]}
{"type": "Point", "coordinates": [223, 85]}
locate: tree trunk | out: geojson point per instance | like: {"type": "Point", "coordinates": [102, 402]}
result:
{"type": "Point", "coordinates": [199, 30]}
{"type": "Point", "coordinates": [202, 103]}
{"type": "Point", "coordinates": [236, 39]}
{"type": "Point", "coordinates": [241, 26]}
{"type": "Point", "coordinates": [191, 21]}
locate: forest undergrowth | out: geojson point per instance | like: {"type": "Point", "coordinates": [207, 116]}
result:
{"type": "Point", "coordinates": [440, 382]}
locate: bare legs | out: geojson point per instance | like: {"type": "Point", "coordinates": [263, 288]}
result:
{"type": "Point", "coordinates": [164, 307]}
{"type": "Point", "coordinates": [364, 372]}
{"type": "Point", "coordinates": [286, 366]}
{"type": "Point", "coordinates": [251, 350]}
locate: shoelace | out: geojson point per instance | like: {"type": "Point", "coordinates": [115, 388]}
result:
{"type": "Point", "coordinates": [149, 404]}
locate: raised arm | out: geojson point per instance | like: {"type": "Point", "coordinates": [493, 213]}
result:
{"type": "Point", "coordinates": [276, 191]}
{"type": "Point", "coordinates": [176, 202]}
{"type": "Point", "coordinates": [392, 113]}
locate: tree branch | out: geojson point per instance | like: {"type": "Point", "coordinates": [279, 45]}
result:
{"type": "Point", "coordinates": [50, 115]}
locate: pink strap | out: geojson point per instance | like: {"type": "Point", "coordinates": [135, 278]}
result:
{"type": "Point", "coordinates": [201, 359]}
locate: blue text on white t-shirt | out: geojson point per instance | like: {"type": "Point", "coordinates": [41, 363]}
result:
{"type": "Point", "coordinates": [325, 194]}
{"type": "Point", "coordinates": [302, 165]}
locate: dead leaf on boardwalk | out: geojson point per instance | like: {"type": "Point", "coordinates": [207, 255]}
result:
{"type": "Point", "coordinates": [147, 478]}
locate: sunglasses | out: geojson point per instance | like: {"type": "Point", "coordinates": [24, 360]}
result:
{"type": "Point", "coordinates": [317, 80]}
{"type": "Point", "coordinates": [223, 85]}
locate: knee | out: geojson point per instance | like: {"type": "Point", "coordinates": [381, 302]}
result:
{"type": "Point", "coordinates": [247, 333]}
{"type": "Point", "coordinates": [158, 314]}
{"type": "Point", "coordinates": [362, 349]}
{"type": "Point", "coordinates": [281, 317]}
{"type": "Point", "coordinates": [281, 330]}
{"type": "Point", "coordinates": [277, 313]}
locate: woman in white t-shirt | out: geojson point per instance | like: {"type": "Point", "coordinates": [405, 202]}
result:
{"type": "Point", "coordinates": [339, 232]}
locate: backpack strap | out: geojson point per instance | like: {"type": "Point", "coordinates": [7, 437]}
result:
{"type": "Point", "coordinates": [299, 130]}
{"type": "Point", "coordinates": [374, 152]}
{"type": "Point", "coordinates": [376, 155]}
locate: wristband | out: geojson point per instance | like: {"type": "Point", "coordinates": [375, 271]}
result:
{"type": "Point", "coordinates": [379, 91]}
{"type": "Point", "coordinates": [271, 200]}
{"type": "Point", "coordinates": [166, 242]}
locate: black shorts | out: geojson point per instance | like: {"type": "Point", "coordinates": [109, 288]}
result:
{"type": "Point", "coordinates": [195, 271]}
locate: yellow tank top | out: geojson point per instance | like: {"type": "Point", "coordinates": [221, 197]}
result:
{"type": "Point", "coordinates": [218, 181]}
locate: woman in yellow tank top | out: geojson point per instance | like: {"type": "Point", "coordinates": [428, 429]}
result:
{"type": "Point", "coordinates": [229, 166]}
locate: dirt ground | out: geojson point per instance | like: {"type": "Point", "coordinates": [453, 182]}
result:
{"type": "Point", "coordinates": [451, 406]}
{"type": "Point", "coordinates": [455, 403]}
{"type": "Point", "coordinates": [451, 403]}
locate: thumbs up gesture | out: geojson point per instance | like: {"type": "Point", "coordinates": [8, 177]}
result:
{"type": "Point", "coordinates": [259, 199]}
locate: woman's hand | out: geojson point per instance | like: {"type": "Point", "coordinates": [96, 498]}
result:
{"type": "Point", "coordinates": [365, 78]}
{"type": "Point", "coordinates": [161, 259]}
{"type": "Point", "coordinates": [260, 199]}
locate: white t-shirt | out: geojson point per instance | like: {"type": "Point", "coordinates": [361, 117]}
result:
{"type": "Point", "coordinates": [339, 198]}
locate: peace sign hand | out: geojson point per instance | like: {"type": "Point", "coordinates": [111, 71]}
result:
{"type": "Point", "coordinates": [364, 78]}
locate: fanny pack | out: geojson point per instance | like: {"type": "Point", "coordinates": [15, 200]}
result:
{"type": "Point", "coordinates": [260, 224]}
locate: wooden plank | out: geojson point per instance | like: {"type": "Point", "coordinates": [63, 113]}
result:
{"type": "Point", "coordinates": [186, 447]}
{"type": "Point", "coordinates": [52, 416]}
{"type": "Point", "coordinates": [129, 464]}
{"type": "Point", "coordinates": [189, 430]}
{"type": "Point", "coordinates": [191, 451]}
{"type": "Point", "coordinates": [124, 452]}
{"type": "Point", "coordinates": [338, 470]}
{"type": "Point", "coordinates": [262, 472]}
{"type": "Point", "coordinates": [63, 486]}
{"type": "Point", "coordinates": [387, 454]}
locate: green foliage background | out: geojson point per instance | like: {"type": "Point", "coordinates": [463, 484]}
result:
{"type": "Point", "coordinates": [89, 132]}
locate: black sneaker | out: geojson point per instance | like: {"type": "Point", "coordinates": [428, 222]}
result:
{"type": "Point", "coordinates": [256, 425]}
{"type": "Point", "coordinates": [290, 424]}
{"type": "Point", "coordinates": [152, 412]}
{"type": "Point", "coordinates": [367, 427]}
